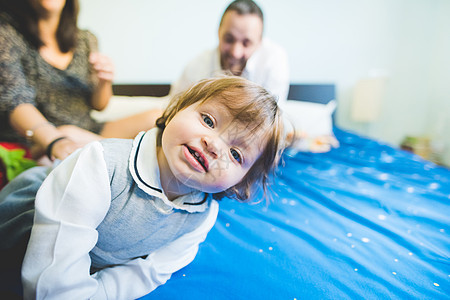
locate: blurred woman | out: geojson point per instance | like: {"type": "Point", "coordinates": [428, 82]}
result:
{"type": "Point", "coordinates": [51, 77]}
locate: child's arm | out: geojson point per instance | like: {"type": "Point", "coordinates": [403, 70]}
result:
{"type": "Point", "coordinates": [70, 204]}
{"type": "Point", "coordinates": [141, 276]}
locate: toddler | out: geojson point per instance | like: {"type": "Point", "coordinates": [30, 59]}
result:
{"type": "Point", "coordinates": [116, 218]}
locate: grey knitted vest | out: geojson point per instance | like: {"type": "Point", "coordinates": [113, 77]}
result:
{"type": "Point", "coordinates": [135, 225]}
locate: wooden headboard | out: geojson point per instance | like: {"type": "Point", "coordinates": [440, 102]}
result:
{"type": "Point", "coordinates": [154, 90]}
{"type": "Point", "coordinates": [318, 93]}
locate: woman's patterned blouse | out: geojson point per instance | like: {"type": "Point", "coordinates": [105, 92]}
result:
{"type": "Point", "coordinates": [62, 96]}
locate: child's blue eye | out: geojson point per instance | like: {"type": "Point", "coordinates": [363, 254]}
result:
{"type": "Point", "coordinates": [208, 121]}
{"type": "Point", "coordinates": [236, 155]}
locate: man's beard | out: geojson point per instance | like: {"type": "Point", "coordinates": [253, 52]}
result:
{"type": "Point", "coordinates": [236, 66]}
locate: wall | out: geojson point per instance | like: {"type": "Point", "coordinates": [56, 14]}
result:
{"type": "Point", "coordinates": [439, 77]}
{"type": "Point", "coordinates": [326, 40]}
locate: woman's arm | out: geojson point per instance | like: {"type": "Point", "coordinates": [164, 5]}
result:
{"type": "Point", "coordinates": [27, 120]}
{"type": "Point", "coordinates": [17, 97]}
{"type": "Point", "coordinates": [104, 71]}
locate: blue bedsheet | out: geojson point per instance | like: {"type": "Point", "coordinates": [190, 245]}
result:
{"type": "Point", "coordinates": [362, 221]}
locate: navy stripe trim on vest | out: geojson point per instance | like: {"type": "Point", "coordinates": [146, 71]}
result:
{"type": "Point", "coordinates": [154, 188]}
{"type": "Point", "coordinates": [198, 203]}
{"type": "Point", "coordinates": [136, 169]}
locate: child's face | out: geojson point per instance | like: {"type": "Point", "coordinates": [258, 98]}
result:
{"type": "Point", "coordinates": [206, 149]}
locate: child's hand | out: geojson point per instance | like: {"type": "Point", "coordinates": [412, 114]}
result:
{"type": "Point", "coordinates": [103, 66]}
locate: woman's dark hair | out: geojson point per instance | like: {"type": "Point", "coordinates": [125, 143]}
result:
{"type": "Point", "coordinates": [244, 7]}
{"type": "Point", "coordinates": [26, 18]}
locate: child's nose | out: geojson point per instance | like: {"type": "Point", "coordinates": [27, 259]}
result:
{"type": "Point", "coordinates": [210, 146]}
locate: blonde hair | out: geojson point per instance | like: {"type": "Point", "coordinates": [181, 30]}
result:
{"type": "Point", "coordinates": [251, 105]}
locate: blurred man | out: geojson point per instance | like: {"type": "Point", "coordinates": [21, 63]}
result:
{"type": "Point", "coordinates": [242, 51]}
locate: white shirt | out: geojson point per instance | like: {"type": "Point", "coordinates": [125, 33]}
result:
{"type": "Point", "coordinates": [268, 67]}
{"type": "Point", "coordinates": [71, 203]}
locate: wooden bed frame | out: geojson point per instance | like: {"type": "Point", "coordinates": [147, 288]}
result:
{"type": "Point", "coordinates": [153, 90]}
{"type": "Point", "coordinates": [319, 93]}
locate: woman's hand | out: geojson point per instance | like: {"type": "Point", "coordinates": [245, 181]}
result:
{"type": "Point", "coordinates": [63, 148]}
{"type": "Point", "coordinates": [74, 138]}
{"type": "Point", "coordinates": [103, 66]}
{"type": "Point", "coordinates": [103, 69]}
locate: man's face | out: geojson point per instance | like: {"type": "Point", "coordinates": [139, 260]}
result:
{"type": "Point", "coordinates": [239, 37]}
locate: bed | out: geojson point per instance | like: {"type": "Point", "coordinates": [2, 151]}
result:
{"type": "Point", "coordinates": [363, 220]}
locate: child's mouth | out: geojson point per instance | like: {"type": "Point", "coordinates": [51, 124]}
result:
{"type": "Point", "coordinates": [199, 157]}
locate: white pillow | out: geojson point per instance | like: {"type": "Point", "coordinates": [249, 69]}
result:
{"type": "Point", "coordinates": [124, 106]}
{"type": "Point", "coordinates": [313, 124]}
{"type": "Point", "coordinates": [314, 119]}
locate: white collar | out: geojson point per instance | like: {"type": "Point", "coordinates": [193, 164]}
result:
{"type": "Point", "coordinates": [144, 169]}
